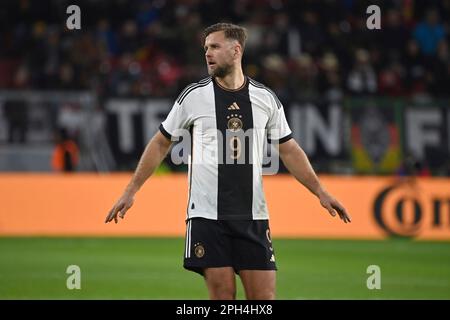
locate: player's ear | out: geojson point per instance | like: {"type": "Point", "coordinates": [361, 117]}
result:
{"type": "Point", "coordinates": [237, 50]}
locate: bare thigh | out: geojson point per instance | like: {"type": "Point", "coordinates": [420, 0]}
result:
{"type": "Point", "coordinates": [259, 284]}
{"type": "Point", "coordinates": [221, 283]}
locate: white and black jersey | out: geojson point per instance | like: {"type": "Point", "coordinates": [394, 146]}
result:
{"type": "Point", "coordinates": [228, 129]}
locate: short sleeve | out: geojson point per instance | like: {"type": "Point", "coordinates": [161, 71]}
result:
{"type": "Point", "coordinates": [277, 126]}
{"type": "Point", "coordinates": [177, 119]}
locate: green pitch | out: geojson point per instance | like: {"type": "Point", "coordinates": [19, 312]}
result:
{"type": "Point", "coordinates": [151, 268]}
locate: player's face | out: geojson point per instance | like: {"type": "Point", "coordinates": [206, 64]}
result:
{"type": "Point", "coordinates": [220, 54]}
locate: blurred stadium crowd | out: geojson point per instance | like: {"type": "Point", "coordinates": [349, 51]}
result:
{"type": "Point", "coordinates": [309, 50]}
{"type": "Point", "coordinates": [301, 49]}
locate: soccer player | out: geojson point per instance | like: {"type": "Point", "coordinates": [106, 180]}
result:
{"type": "Point", "coordinates": [227, 226]}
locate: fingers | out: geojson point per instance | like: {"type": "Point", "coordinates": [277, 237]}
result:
{"type": "Point", "coordinates": [327, 205]}
{"type": "Point", "coordinates": [330, 210]}
{"type": "Point", "coordinates": [342, 213]}
{"type": "Point", "coordinates": [113, 213]}
{"type": "Point", "coordinates": [123, 211]}
{"type": "Point", "coordinates": [332, 205]}
{"type": "Point", "coordinates": [335, 205]}
{"type": "Point", "coordinates": [119, 210]}
{"type": "Point", "coordinates": [125, 208]}
{"type": "Point", "coordinates": [110, 215]}
{"type": "Point", "coordinates": [346, 216]}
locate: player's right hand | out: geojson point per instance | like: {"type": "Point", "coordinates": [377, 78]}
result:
{"type": "Point", "coordinates": [120, 208]}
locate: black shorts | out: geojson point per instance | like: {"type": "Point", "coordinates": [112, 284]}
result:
{"type": "Point", "coordinates": [240, 244]}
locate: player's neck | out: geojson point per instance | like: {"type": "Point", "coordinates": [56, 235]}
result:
{"type": "Point", "coordinates": [233, 80]}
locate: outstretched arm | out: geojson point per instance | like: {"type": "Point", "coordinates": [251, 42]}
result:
{"type": "Point", "coordinates": [155, 151]}
{"type": "Point", "coordinates": [296, 161]}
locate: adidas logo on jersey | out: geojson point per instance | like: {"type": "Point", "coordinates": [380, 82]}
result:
{"type": "Point", "coordinates": [234, 106]}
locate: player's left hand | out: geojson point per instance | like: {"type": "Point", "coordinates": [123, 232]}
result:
{"type": "Point", "coordinates": [332, 205]}
{"type": "Point", "coordinates": [120, 208]}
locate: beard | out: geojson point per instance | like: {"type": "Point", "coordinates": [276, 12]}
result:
{"type": "Point", "coordinates": [221, 71]}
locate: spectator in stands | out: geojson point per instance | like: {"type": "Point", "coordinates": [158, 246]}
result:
{"type": "Point", "coordinates": [414, 63]}
{"type": "Point", "coordinates": [391, 79]}
{"type": "Point", "coordinates": [394, 33]}
{"type": "Point", "coordinates": [429, 33]}
{"type": "Point", "coordinates": [274, 74]}
{"type": "Point", "coordinates": [303, 77]}
{"type": "Point", "coordinates": [440, 71]}
{"type": "Point", "coordinates": [16, 111]}
{"type": "Point", "coordinates": [66, 153]}
{"type": "Point", "coordinates": [362, 79]}
{"type": "Point", "coordinates": [412, 166]}
{"type": "Point", "coordinates": [329, 80]}
{"type": "Point", "coordinates": [311, 33]}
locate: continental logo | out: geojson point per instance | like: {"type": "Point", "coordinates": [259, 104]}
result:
{"type": "Point", "coordinates": [407, 210]}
